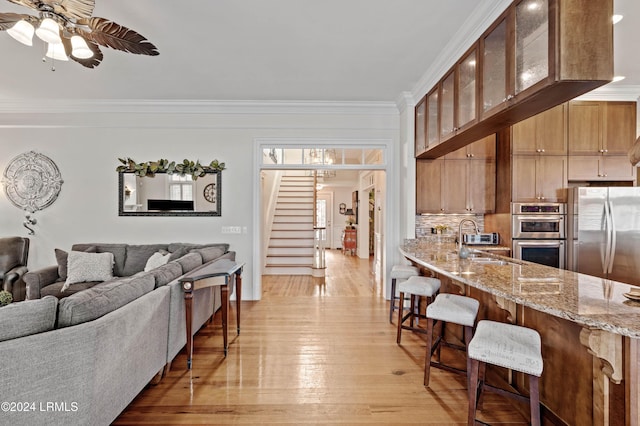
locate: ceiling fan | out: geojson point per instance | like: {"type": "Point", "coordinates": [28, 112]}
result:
{"type": "Point", "coordinates": [70, 32]}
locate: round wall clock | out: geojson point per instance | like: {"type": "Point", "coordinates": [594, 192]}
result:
{"type": "Point", "coordinates": [210, 192]}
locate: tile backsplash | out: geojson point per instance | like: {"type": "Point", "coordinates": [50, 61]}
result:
{"type": "Point", "coordinates": [424, 223]}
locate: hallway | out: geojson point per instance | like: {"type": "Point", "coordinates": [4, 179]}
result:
{"type": "Point", "coordinates": [311, 353]}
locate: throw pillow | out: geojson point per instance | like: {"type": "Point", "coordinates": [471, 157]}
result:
{"type": "Point", "coordinates": [62, 258]}
{"type": "Point", "coordinates": [84, 267]}
{"type": "Point", "coordinates": [156, 259]}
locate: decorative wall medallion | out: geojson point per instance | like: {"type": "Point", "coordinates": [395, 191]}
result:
{"type": "Point", "coordinates": [32, 181]}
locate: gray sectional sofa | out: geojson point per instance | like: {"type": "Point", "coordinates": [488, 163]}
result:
{"type": "Point", "coordinates": [81, 358]}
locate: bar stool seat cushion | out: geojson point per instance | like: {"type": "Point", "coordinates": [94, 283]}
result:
{"type": "Point", "coordinates": [420, 286]}
{"type": "Point", "coordinates": [507, 345]}
{"type": "Point", "coordinates": [454, 308]}
{"type": "Point", "coordinates": [404, 271]}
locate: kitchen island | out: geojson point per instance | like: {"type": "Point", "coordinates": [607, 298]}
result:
{"type": "Point", "coordinates": [590, 331]}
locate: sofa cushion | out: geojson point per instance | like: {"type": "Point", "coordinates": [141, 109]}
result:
{"type": "Point", "coordinates": [181, 251]}
{"type": "Point", "coordinates": [164, 274]}
{"type": "Point", "coordinates": [137, 256]}
{"type": "Point", "coordinates": [157, 259]}
{"type": "Point", "coordinates": [55, 289]}
{"type": "Point", "coordinates": [101, 299]}
{"type": "Point", "coordinates": [62, 258]}
{"type": "Point", "coordinates": [209, 253]}
{"type": "Point", "coordinates": [189, 261]}
{"type": "Point", "coordinates": [189, 246]}
{"type": "Point", "coordinates": [119, 254]}
{"type": "Point", "coordinates": [83, 267]}
{"type": "Point", "coordinates": [28, 317]}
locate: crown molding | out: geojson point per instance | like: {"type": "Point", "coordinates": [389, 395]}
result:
{"type": "Point", "coordinates": [617, 93]}
{"type": "Point", "coordinates": [164, 106]}
{"type": "Point", "coordinates": [404, 101]}
{"type": "Point", "coordinates": [480, 19]}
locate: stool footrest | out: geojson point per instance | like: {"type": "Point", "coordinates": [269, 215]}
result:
{"type": "Point", "coordinates": [506, 393]}
{"type": "Point", "coordinates": [448, 368]}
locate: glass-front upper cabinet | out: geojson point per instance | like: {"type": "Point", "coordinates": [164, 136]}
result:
{"type": "Point", "coordinates": [515, 54]}
{"type": "Point", "coordinates": [467, 71]}
{"type": "Point", "coordinates": [494, 67]}
{"type": "Point", "coordinates": [447, 105]}
{"type": "Point", "coordinates": [432, 118]}
{"type": "Point", "coordinates": [532, 43]}
{"type": "Point", "coordinates": [420, 121]}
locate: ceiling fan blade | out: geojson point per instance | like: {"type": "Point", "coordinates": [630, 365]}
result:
{"type": "Point", "coordinates": [8, 20]}
{"type": "Point", "coordinates": [74, 9]}
{"type": "Point", "coordinates": [110, 34]}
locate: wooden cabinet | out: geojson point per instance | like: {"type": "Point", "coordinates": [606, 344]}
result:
{"type": "Point", "coordinates": [429, 186]}
{"type": "Point", "coordinates": [539, 178]}
{"type": "Point", "coordinates": [600, 135]}
{"type": "Point", "coordinates": [535, 56]}
{"type": "Point", "coordinates": [543, 133]}
{"type": "Point", "coordinates": [463, 182]}
{"type": "Point", "coordinates": [600, 168]}
{"type": "Point", "coordinates": [484, 149]}
{"type": "Point", "coordinates": [349, 241]}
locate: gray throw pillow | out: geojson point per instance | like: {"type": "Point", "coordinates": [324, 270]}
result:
{"type": "Point", "coordinates": [62, 259]}
{"type": "Point", "coordinates": [209, 253]}
{"type": "Point", "coordinates": [84, 267]}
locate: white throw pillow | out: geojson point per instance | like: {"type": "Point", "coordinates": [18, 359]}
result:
{"type": "Point", "coordinates": [86, 267]}
{"type": "Point", "coordinates": [156, 259]}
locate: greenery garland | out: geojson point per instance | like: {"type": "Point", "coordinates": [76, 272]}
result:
{"type": "Point", "coordinates": [187, 167]}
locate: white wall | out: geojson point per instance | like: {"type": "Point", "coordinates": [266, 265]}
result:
{"type": "Point", "coordinates": [86, 147]}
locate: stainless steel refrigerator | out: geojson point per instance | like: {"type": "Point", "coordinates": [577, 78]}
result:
{"type": "Point", "coordinates": [604, 232]}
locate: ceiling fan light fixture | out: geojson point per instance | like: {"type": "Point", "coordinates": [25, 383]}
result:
{"type": "Point", "coordinates": [49, 31]}
{"type": "Point", "coordinates": [22, 31]}
{"type": "Point", "coordinates": [80, 49]}
{"type": "Point", "coordinates": [56, 51]}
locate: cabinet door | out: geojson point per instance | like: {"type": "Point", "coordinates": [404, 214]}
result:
{"type": "Point", "coordinates": [481, 197]}
{"type": "Point", "coordinates": [585, 128]}
{"type": "Point", "coordinates": [616, 167]}
{"type": "Point", "coordinates": [524, 179]}
{"type": "Point", "coordinates": [493, 56]}
{"type": "Point", "coordinates": [447, 105]}
{"type": "Point", "coordinates": [532, 44]}
{"type": "Point", "coordinates": [433, 133]}
{"type": "Point", "coordinates": [484, 149]}
{"type": "Point", "coordinates": [428, 186]}
{"type": "Point", "coordinates": [454, 186]}
{"type": "Point", "coordinates": [466, 92]}
{"type": "Point", "coordinates": [619, 127]}
{"type": "Point", "coordinates": [420, 130]}
{"type": "Point", "coordinates": [523, 137]}
{"type": "Point", "coordinates": [583, 167]}
{"type": "Point", "coordinates": [550, 131]}
{"type": "Point", "coordinates": [551, 178]}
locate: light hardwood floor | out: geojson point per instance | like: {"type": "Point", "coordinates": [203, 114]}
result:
{"type": "Point", "coordinates": [311, 353]}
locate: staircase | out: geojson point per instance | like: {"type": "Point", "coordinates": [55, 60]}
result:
{"type": "Point", "coordinates": [290, 250]}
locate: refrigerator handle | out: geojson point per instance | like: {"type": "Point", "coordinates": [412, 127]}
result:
{"type": "Point", "coordinates": [605, 251]}
{"type": "Point", "coordinates": [612, 250]}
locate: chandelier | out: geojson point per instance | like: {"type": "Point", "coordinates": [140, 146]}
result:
{"type": "Point", "coordinates": [69, 31]}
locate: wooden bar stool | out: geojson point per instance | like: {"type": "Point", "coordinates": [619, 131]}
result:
{"type": "Point", "coordinates": [448, 308]}
{"type": "Point", "coordinates": [508, 346]}
{"type": "Point", "coordinates": [399, 272]}
{"type": "Point", "coordinates": [415, 287]}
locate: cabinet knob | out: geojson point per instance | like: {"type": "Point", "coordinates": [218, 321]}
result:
{"type": "Point", "coordinates": [606, 150]}
{"type": "Point", "coordinates": [605, 175]}
{"type": "Point", "coordinates": [471, 155]}
{"type": "Point", "coordinates": [509, 97]}
{"type": "Point", "coordinates": [542, 150]}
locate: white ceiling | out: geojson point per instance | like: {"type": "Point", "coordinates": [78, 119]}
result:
{"type": "Point", "coordinates": [302, 50]}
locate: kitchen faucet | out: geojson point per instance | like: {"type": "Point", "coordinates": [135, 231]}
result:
{"type": "Point", "coordinates": [460, 231]}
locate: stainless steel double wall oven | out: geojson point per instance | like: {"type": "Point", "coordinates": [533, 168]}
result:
{"type": "Point", "coordinates": [539, 233]}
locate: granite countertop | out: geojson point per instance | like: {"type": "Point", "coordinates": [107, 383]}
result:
{"type": "Point", "coordinates": [589, 301]}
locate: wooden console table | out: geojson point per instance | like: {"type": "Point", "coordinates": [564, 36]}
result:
{"type": "Point", "coordinates": [218, 274]}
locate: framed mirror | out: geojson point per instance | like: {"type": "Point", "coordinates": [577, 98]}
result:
{"type": "Point", "coordinates": [169, 194]}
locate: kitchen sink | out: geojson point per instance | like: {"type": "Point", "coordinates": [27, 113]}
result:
{"type": "Point", "coordinates": [489, 260]}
